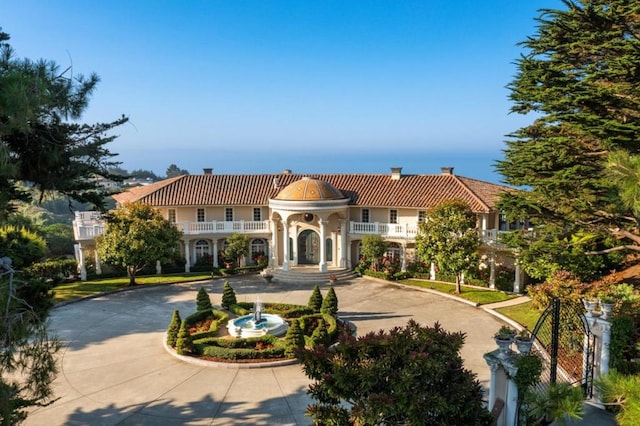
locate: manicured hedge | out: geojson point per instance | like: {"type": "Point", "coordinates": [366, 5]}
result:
{"type": "Point", "coordinates": [239, 349]}
{"type": "Point", "coordinates": [219, 316]}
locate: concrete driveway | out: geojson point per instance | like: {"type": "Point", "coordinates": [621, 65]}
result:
{"type": "Point", "coordinates": [114, 369]}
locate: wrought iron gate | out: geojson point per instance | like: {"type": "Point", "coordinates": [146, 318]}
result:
{"type": "Point", "coordinates": [567, 344]}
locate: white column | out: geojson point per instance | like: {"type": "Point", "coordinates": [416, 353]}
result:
{"type": "Point", "coordinates": [604, 348]}
{"type": "Point", "coordinates": [511, 403]}
{"type": "Point", "coordinates": [158, 267]}
{"type": "Point", "coordinates": [516, 282]}
{"type": "Point", "coordinates": [215, 254]}
{"type": "Point", "coordinates": [492, 271]}
{"type": "Point", "coordinates": [403, 267]}
{"type": "Point", "coordinates": [323, 246]}
{"type": "Point", "coordinates": [432, 272]}
{"type": "Point", "coordinates": [285, 246]}
{"type": "Point", "coordinates": [187, 256]}
{"type": "Point", "coordinates": [82, 268]}
{"type": "Point", "coordinates": [97, 265]}
{"type": "Point", "coordinates": [344, 252]}
{"type": "Point", "coordinates": [273, 254]}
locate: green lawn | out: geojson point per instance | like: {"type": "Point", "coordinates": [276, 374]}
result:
{"type": "Point", "coordinates": [522, 313]}
{"type": "Point", "coordinates": [481, 296]}
{"type": "Point", "coordinates": [78, 289]}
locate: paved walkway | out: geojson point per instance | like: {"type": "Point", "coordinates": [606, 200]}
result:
{"type": "Point", "coordinates": [115, 371]}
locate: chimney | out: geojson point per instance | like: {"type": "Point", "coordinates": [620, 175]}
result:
{"type": "Point", "coordinates": [446, 170]}
{"type": "Point", "coordinates": [286, 172]}
{"type": "Point", "coordinates": [207, 170]}
{"type": "Point", "coordinates": [396, 173]}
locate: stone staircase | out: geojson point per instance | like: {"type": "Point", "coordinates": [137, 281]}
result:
{"type": "Point", "coordinates": [311, 275]}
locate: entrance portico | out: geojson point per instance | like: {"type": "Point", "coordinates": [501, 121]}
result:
{"type": "Point", "coordinates": [311, 213]}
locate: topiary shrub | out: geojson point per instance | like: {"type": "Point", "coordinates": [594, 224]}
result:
{"type": "Point", "coordinates": [320, 337]}
{"type": "Point", "coordinates": [203, 302]}
{"type": "Point", "coordinates": [315, 301]}
{"type": "Point", "coordinates": [330, 303]}
{"type": "Point", "coordinates": [293, 340]}
{"type": "Point", "coordinates": [228, 296]}
{"type": "Point", "coordinates": [174, 329]}
{"type": "Point", "coordinates": [184, 345]}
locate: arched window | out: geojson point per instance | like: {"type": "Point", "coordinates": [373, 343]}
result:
{"type": "Point", "coordinates": [393, 251]}
{"type": "Point", "coordinates": [329, 249]}
{"type": "Point", "coordinates": [201, 249]}
{"type": "Point", "coordinates": [258, 250]}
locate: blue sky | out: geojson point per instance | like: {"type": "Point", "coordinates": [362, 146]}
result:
{"type": "Point", "coordinates": [312, 86]}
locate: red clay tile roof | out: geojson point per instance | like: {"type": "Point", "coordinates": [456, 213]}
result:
{"type": "Point", "coordinates": [367, 190]}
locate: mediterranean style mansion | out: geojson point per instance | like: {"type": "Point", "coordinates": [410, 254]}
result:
{"type": "Point", "coordinates": [306, 220]}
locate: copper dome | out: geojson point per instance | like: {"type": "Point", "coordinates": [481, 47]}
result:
{"type": "Point", "coordinates": [309, 189]}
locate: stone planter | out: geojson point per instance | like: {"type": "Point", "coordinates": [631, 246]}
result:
{"type": "Point", "coordinates": [606, 308]}
{"type": "Point", "coordinates": [524, 345]}
{"type": "Point", "coordinates": [504, 345]}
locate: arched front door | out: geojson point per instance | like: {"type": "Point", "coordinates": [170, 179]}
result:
{"type": "Point", "coordinates": [308, 247]}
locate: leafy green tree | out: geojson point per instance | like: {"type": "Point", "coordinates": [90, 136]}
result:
{"type": "Point", "coordinates": [59, 239]}
{"type": "Point", "coordinates": [174, 328]}
{"type": "Point", "coordinates": [330, 303]}
{"type": "Point", "coordinates": [315, 300]}
{"type": "Point", "coordinates": [173, 171]}
{"type": "Point", "coordinates": [448, 237]}
{"type": "Point", "coordinates": [184, 344]}
{"type": "Point", "coordinates": [228, 296]}
{"type": "Point", "coordinates": [577, 81]}
{"type": "Point", "coordinates": [21, 245]}
{"type": "Point", "coordinates": [144, 174]}
{"type": "Point", "coordinates": [237, 247]}
{"type": "Point", "coordinates": [42, 141]}
{"type": "Point", "coordinates": [203, 302]}
{"type": "Point", "coordinates": [294, 339]}
{"type": "Point", "coordinates": [136, 235]}
{"type": "Point", "coordinates": [373, 248]}
{"type": "Point", "coordinates": [411, 375]}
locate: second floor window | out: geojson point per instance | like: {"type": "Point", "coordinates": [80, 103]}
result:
{"type": "Point", "coordinates": [257, 214]}
{"type": "Point", "coordinates": [200, 215]}
{"type": "Point", "coordinates": [228, 214]}
{"type": "Point", "coordinates": [422, 216]}
{"type": "Point", "coordinates": [365, 216]}
{"type": "Point", "coordinates": [172, 216]}
{"type": "Point", "coordinates": [393, 216]}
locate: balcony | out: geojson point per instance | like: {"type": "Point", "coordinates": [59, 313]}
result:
{"type": "Point", "coordinates": [384, 229]}
{"type": "Point", "coordinates": [220, 227]}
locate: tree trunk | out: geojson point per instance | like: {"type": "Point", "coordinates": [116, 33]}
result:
{"type": "Point", "coordinates": [132, 276]}
{"type": "Point", "coordinates": [458, 286]}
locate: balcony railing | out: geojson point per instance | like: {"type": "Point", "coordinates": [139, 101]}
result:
{"type": "Point", "coordinates": [240, 226]}
{"type": "Point", "coordinates": [384, 229]}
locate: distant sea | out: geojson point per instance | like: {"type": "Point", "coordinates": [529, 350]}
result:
{"type": "Point", "coordinates": [476, 165]}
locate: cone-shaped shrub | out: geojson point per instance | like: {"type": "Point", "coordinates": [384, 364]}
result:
{"type": "Point", "coordinates": [228, 296]}
{"type": "Point", "coordinates": [203, 302]}
{"type": "Point", "coordinates": [184, 345]}
{"type": "Point", "coordinates": [315, 301]}
{"type": "Point", "coordinates": [330, 303]}
{"type": "Point", "coordinates": [294, 339]}
{"type": "Point", "coordinates": [320, 335]}
{"type": "Point", "coordinates": [174, 328]}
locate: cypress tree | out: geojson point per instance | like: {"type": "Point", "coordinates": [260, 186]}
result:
{"type": "Point", "coordinates": [294, 339]}
{"type": "Point", "coordinates": [320, 336]}
{"type": "Point", "coordinates": [330, 303]}
{"type": "Point", "coordinates": [203, 302]}
{"type": "Point", "coordinates": [174, 329]}
{"type": "Point", "coordinates": [228, 296]}
{"type": "Point", "coordinates": [184, 345]}
{"type": "Point", "coordinates": [315, 301]}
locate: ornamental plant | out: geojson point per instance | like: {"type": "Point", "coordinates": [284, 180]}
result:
{"type": "Point", "coordinates": [174, 329]}
{"type": "Point", "coordinates": [203, 302]}
{"type": "Point", "coordinates": [228, 296]}
{"type": "Point", "coordinates": [184, 345]}
{"type": "Point", "coordinates": [320, 337]}
{"type": "Point", "coordinates": [315, 301]}
{"type": "Point", "coordinates": [294, 339]}
{"type": "Point", "coordinates": [330, 303]}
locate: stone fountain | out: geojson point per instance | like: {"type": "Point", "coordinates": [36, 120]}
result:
{"type": "Point", "coordinates": [257, 324]}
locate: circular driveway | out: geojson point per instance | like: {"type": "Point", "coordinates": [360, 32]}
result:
{"type": "Point", "coordinates": [114, 369]}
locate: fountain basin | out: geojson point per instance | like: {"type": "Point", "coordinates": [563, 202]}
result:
{"type": "Point", "coordinates": [246, 326]}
